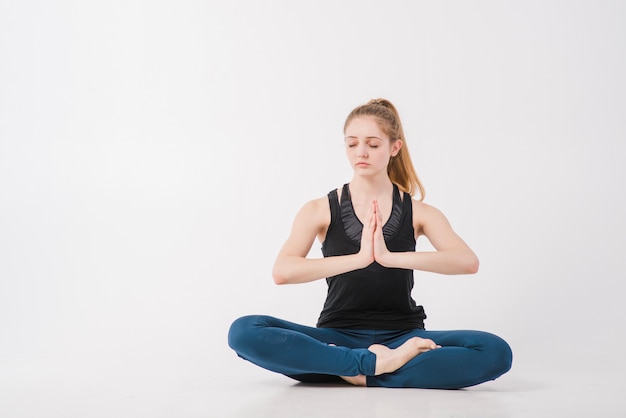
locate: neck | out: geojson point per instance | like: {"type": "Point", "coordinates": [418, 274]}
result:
{"type": "Point", "coordinates": [371, 187]}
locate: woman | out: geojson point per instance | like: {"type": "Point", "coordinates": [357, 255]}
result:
{"type": "Point", "coordinates": [370, 331]}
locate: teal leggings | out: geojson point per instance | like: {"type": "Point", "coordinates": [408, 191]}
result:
{"type": "Point", "coordinates": [466, 358]}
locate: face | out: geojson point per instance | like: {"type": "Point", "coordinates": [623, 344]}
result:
{"type": "Point", "coordinates": [367, 147]}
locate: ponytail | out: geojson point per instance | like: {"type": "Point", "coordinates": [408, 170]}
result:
{"type": "Point", "coordinates": [400, 168]}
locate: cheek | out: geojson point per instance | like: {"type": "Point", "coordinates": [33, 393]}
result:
{"type": "Point", "coordinates": [383, 154]}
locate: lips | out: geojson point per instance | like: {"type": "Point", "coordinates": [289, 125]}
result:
{"type": "Point", "coordinates": [362, 164]}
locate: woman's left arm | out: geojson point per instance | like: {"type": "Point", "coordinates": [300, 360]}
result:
{"type": "Point", "coordinates": [451, 256]}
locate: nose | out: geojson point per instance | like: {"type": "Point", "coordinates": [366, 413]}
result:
{"type": "Point", "coordinates": [361, 150]}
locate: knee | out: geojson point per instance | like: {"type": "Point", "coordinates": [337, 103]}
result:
{"type": "Point", "coordinates": [242, 329]}
{"type": "Point", "coordinates": [501, 355]}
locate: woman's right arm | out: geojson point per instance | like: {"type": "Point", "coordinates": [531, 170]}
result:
{"type": "Point", "coordinates": [292, 265]}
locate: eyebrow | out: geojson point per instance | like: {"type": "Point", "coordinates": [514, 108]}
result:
{"type": "Point", "coordinates": [367, 137]}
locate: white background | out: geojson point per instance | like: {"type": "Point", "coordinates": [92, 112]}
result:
{"type": "Point", "coordinates": [153, 155]}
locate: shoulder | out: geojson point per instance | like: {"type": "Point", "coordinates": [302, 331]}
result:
{"type": "Point", "coordinates": [315, 212]}
{"type": "Point", "coordinates": [315, 206]}
{"type": "Point", "coordinates": [425, 214]}
{"type": "Point", "coordinates": [321, 205]}
{"type": "Point", "coordinates": [424, 208]}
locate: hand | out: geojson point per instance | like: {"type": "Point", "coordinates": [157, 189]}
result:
{"type": "Point", "coordinates": [367, 237]}
{"type": "Point", "coordinates": [381, 252]}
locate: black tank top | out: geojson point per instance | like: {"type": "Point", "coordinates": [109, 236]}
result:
{"type": "Point", "coordinates": [375, 297]}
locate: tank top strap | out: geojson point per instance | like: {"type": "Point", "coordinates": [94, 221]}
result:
{"type": "Point", "coordinates": [407, 204]}
{"type": "Point", "coordinates": [395, 218]}
{"type": "Point", "coordinates": [351, 224]}
{"type": "Point", "coordinates": [335, 210]}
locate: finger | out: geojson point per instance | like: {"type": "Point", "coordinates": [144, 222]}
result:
{"type": "Point", "coordinates": [379, 213]}
{"type": "Point", "coordinates": [370, 225]}
{"type": "Point", "coordinates": [379, 221]}
{"type": "Point", "coordinates": [373, 221]}
{"type": "Point", "coordinates": [372, 212]}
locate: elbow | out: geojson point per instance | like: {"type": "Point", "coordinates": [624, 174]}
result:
{"type": "Point", "coordinates": [471, 265]}
{"type": "Point", "coordinates": [280, 276]}
{"type": "Point", "coordinates": [285, 271]}
{"type": "Point", "coordinates": [279, 280]}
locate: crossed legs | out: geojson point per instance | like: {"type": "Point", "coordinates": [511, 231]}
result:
{"type": "Point", "coordinates": [415, 358]}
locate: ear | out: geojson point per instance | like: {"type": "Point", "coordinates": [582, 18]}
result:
{"type": "Point", "coordinates": [396, 147]}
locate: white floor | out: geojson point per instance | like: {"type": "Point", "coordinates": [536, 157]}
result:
{"type": "Point", "coordinates": [166, 387]}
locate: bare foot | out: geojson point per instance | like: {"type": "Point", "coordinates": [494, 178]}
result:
{"type": "Point", "coordinates": [389, 360]}
{"type": "Point", "coordinates": [359, 380]}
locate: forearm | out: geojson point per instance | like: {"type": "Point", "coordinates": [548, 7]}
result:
{"type": "Point", "coordinates": [452, 261]}
{"type": "Point", "coordinates": [295, 269]}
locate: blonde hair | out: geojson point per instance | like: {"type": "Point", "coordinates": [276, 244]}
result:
{"type": "Point", "coordinates": [400, 167]}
